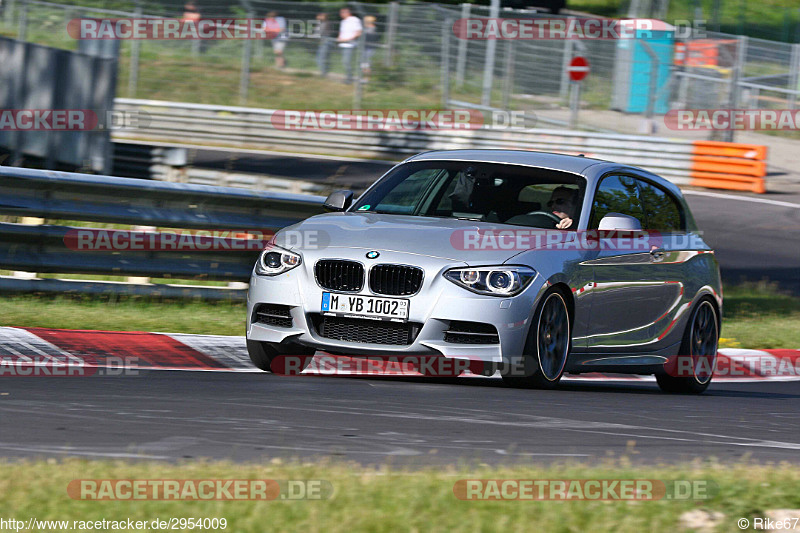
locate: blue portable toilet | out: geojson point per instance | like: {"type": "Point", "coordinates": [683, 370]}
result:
{"type": "Point", "coordinates": [634, 67]}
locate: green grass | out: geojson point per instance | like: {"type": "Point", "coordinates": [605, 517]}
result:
{"type": "Point", "coordinates": [125, 314]}
{"type": "Point", "coordinates": [213, 77]}
{"type": "Point", "coordinates": [760, 316]}
{"type": "Point", "coordinates": [756, 316]}
{"type": "Point", "coordinates": [388, 499]}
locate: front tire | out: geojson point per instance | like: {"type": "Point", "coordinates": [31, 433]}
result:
{"type": "Point", "coordinates": [547, 347]}
{"type": "Point", "coordinates": [700, 342]}
{"type": "Point", "coordinates": [264, 354]}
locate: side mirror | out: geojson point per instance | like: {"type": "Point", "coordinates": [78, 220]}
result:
{"type": "Point", "coordinates": [338, 200]}
{"type": "Point", "coordinates": [618, 221]}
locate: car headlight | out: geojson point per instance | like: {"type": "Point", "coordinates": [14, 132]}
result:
{"type": "Point", "coordinates": [274, 261]}
{"type": "Point", "coordinates": [499, 280]}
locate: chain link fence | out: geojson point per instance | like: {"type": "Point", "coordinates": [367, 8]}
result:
{"type": "Point", "coordinates": [416, 48]}
{"type": "Point", "coordinates": [736, 72]}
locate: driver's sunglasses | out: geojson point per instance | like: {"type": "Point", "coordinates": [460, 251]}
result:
{"type": "Point", "coordinates": [557, 201]}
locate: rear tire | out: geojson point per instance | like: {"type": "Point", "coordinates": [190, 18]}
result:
{"type": "Point", "coordinates": [264, 354]}
{"type": "Point", "coordinates": [700, 342]}
{"type": "Point", "coordinates": [546, 348]}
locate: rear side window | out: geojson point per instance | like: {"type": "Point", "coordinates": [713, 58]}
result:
{"type": "Point", "coordinates": [617, 194]}
{"type": "Point", "coordinates": [663, 212]}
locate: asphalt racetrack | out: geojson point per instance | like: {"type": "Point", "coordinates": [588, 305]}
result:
{"type": "Point", "coordinates": [170, 415]}
{"type": "Point", "coordinates": [174, 415]}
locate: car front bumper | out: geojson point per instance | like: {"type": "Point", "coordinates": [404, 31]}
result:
{"type": "Point", "coordinates": [437, 303]}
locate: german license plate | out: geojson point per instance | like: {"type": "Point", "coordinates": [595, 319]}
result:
{"type": "Point", "coordinates": [365, 306]}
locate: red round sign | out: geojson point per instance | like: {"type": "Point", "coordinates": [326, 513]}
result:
{"type": "Point", "coordinates": [578, 68]}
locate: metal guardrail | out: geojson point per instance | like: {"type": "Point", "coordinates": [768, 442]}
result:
{"type": "Point", "coordinates": [43, 248]}
{"type": "Point", "coordinates": [78, 197]}
{"type": "Point", "coordinates": [163, 163]}
{"type": "Point", "coordinates": [251, 127]}
{"type": "Point", "coordinates": [675, 159]}
{"type": "Point", "coordinates": [69, 196]}
{"type": "Point", "coordinates": [146, 162]}
{"type": "Point", "coordinates": [13, 285]}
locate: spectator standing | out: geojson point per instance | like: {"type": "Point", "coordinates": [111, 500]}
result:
{"type": "Point", "coordinates": [371, 39]}
{"type": "Point", "coordinates": [191, 15]}
{"type": "Point", "coordinates": [275, 28]}
{"type": "Point", "coordinates": [190, 12]}
{"type": "Point", "coordinates": [325, 30]}
{"type": "Point", "coordinates": [349, 32]}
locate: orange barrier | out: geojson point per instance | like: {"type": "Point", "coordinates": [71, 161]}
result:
{"type": "Point", "coordinates": [729, 165]}
{"type": "Point", "coordinates": [729, 182]}
{"type": "Point", "coordinates": [733, 166]}
{"type": "Point", "coordinates": [724, 149]}
{"type": "Point", "coordinates": [705, 52]}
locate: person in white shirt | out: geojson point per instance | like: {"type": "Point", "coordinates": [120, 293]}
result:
{"type": "Point", "coordinates": [349, 31]}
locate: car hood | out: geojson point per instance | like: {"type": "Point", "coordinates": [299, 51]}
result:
{"type": "Point", "coordinates": [428, 236]}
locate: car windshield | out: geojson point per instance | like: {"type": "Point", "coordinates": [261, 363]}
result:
{"type": "Point", "coordinates": [486, 192]}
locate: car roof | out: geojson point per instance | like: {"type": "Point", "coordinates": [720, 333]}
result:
{"type": "Point", "coordinates": [567, 163]}
{"type": "Point", "coordinates": [590, 168]}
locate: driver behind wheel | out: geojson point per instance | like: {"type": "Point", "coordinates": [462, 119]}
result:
{"type": "Point", "coordinates": [562, 204]}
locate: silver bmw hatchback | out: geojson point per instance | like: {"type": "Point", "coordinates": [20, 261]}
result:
{"type": "Point", "coordinates": [532, 264]}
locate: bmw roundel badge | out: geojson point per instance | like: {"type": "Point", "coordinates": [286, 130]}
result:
{"type": "Point", "coordinates": [373, 254]}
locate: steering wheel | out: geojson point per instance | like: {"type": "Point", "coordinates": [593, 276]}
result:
{"type": "Point", "coordinates": [555, 218]}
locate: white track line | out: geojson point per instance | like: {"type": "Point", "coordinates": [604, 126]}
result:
{"type": "Point", "coordinates": [743, 198]}
{"type": "Point", "coordinates": [69, 450]}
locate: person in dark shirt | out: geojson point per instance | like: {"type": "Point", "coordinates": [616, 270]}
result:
{"type": "Point", "coordinates": [371, 38]}
{"type": "Point", "coordinates": [562, 204]}
{"type": "Point", "coordinates": [326, 39]}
